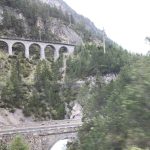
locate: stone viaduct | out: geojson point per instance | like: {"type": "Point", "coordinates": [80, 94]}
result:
{"type": "Point", "coordinates": [42, 135]}
{"type": "Point", "coordinates": [42, 45]}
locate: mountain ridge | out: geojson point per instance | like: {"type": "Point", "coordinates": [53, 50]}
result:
{"type": "Point", "coordinates": [65, 7]}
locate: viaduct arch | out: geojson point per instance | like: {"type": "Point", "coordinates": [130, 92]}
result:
{"type": "Point", "coordinates": [57, 47]}
{"type": "Point", "coordinates": [50, 141]}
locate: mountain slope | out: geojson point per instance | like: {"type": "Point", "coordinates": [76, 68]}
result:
{"type": "Point", "coordinates": [46, 20]}
{"type": "Point", "coordinates": [89, 25]}
{"type": "Point", "coordinates": [32, 84]}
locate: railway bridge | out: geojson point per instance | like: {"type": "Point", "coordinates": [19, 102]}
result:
{"type": "Point", "coordinates": [56, 47]}
{"type": "Point", "coordinates": [41, 135]}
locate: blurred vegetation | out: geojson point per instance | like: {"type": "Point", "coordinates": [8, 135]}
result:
{"type": "Point", "coordinates": [118, 117]}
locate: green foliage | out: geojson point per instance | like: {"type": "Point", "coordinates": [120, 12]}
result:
{"type": "Point", "coordinates": [18, 144]}
{"type": "Point", "coordinates": [91, 60]}
{"type": "Point", "coordinates": [12, 94]}
{"type": "Point", "coordinates": [121, 112]}
{"type": "Point", "coordinates": [83, 32]}
{"type": "Point", "coordinates": [11, 22]}
{"type": "Point", "coordinates": [3, 146]}
{"type": "Point", "coordinates": [69, 93]}
{"type": "Point", "coordinates": [39, 97]}
{"type": "Point", "coordinates": [33, 8]}
{"type": "Point", "coordinates": [45, 97]}
{"type": "Point", "coordinates": [44, 80]}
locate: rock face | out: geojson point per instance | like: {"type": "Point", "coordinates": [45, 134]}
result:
{"type": "Point", "coordinates": [65, 33]}
{"type": "Point", "coordinates": [109, 77]}
{"type": "Point", "coordinates": [78, 18]}
{"type": "Point", "coordinates": [57, 28]}
{"type": "Point", "coordinates": [74, 110]}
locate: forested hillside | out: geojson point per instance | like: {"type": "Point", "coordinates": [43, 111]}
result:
{"type": "Point", "coordinates": [115, 112]}
{"type": "Point", "coordinates": [31, 11]}
{"type": "Point", "coordinates": [90, 60]}
{"type": "Point", "coordinates": [32, 84]}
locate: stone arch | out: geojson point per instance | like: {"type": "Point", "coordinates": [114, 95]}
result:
{"type": "Point", "coordinates": [35, 51]}
{"type": "Point", "coordinates": [60, 143]}
{"type": "Point", "coordinates": [50, 52]}
{"type": "Point", "coordinates": [63, 50]}
{"type": "Point", "coordinates": [53, 139]}
{"type": "Point", "coordinates": [3, 46]}
{"type": "Point", "coordinates": [18, 49]}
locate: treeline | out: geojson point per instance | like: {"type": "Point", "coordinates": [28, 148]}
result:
{"type": "Point", "coordinates": [90, 60]}
{"type": "Point", "coordinates": [32, 9]}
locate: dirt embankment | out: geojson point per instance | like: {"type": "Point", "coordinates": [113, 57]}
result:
{"type": "Point", "coordinates": [8, 118]}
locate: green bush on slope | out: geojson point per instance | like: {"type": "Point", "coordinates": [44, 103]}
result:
{"type": "Point", "coordinates": [18, 144]}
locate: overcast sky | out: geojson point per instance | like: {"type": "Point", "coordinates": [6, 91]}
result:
{"type": "Point", "coordinates": [126, 22]}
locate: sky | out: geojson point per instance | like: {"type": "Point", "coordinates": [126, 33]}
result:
{"type": "Point", "coordinates": [127, 22]}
